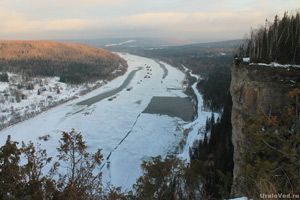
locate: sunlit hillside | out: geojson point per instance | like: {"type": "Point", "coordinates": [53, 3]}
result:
{"type": "Point", "coordinates": [71, 62]}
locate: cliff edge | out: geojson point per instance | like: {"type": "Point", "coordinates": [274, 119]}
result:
{"type": "Point", "coordinates": [252, 87]}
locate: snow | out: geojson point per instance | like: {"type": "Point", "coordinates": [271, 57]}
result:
{"type": "Point", "coordinates": [117, 126]}
{"type": "Point", "coordinates": [3, 86]}
{"type": "Point", "coordinates": [241, 198]}
{"type": "Point", "coordinates": [197, 127]}
{"type": "Point", "coordinates": [119, 44]}
{"type": "Point", "coordinates": [246, 59]}
{"type": "Point", "coordinates": [51, 92]}
{"type": "Point", "coordinates": [125, 134]}
{"type": "Point", "coordinates": [272, 64]}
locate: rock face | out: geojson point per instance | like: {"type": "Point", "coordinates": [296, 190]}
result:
{"type": "Point", "coordinates": [253, 87]}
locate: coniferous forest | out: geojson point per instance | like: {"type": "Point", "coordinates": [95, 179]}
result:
{"type": "Point", "coordinates": [217, 147]}
{"type": "Point", "coordinates": [277, 41]}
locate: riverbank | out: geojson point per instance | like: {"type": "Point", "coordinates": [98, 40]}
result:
{"type": "Point", "coordinates": [22, 98]}
{"type": "Point", "coordinates": [196, 129]}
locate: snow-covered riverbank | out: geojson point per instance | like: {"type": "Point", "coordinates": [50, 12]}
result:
{"type": "Point", "coordinates": [22, 99]}
{"type": "Point", "coordinates": [195, 129]}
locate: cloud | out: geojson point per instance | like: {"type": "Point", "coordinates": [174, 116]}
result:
{"type": "Point", "coordinates": [105, 2]}
{"type": "Point", "coordinates": [189, 24]}
{"type": "Point", "coordinates": [13, 22]}
{"type": "Point", "coordinates": [118, 18]}
{"type": "Point", "coordinates": [64, 25]}
{"type": "Point", "coordinates": [79, 4]}
{"type": "Point", "coordinates": [151, 24]}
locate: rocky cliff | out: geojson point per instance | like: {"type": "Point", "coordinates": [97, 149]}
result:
{"type": "Point", "coordinates": [253, 87]}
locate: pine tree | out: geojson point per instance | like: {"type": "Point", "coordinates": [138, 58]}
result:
{"type": "Point", "coordinates": [157, 178]}
{"type": "Point", "coordinates": [4, 77]}
{"type": "Point", "coordinates": [172, 178]}
{"type": "Point", "coordinates": [11, 185]}
{"type": "Point", "coordinates": [28, 181]}
{"type": "Point", "coordinates": [80, 181]}
{"type": "Point", "coordinates": [35, 184]}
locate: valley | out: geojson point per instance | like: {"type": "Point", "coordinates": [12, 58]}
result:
{"type": "Point", "coordinates": [149, 100]}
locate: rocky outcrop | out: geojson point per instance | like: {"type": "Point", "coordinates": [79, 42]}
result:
{"type": "Point", "coordinates": [253, 87]}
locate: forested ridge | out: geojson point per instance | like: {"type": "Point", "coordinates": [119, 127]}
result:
{"type": "Point", "coordinates": [73, 63]}
{"type": "Point", "coordinates": [277, 41]}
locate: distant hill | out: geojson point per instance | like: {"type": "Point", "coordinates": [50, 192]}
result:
{"type": "Point", "coordinates": [112, 43]}
{"type": "Point", "coordinates": [220, 44]}
{"type": "Point", "coordinates": [71, 62]}
{"type": "Point", "coordinates": [200, 58]}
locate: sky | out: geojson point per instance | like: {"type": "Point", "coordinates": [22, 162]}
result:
{"type": "Point", "coordinates": [92, 19]}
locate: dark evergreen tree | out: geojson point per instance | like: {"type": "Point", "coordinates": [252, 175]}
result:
{"type": "Point", "coordinates": [4, 77]}
{"type": "Point", "coordinates": [220, 146]}
{"type": "Point", "coordinates": [35, 183]}
{"type": "Point", "coordinates": [172, 178]}
{"type": "Point", "coordinates": [80, 182]}
{"type": "Point", "coordinates": [11, 185]}
{"type": "Point", "coordinates": [28, 181]}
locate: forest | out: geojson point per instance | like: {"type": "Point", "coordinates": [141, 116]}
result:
{"type": "Point", "coordinates": [71, 62]}
{"type": "Point", "coordinates": [277, 41]}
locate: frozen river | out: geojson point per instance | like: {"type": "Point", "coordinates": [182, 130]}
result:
{"type": "Point", "coordinates": [114, 119]}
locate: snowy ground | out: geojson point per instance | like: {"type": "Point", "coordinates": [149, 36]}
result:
{"type": "Point", "coordinates": [119, 44]}
{"type": "Point", "coordinates": [272, 64]}
{"type": "Point", "coordinates": [106, 123]}
{"type": "Point", "coordinates": [21, 99]}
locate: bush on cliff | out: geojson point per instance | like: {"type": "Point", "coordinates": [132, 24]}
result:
{"type": "Point", "coordinates": [271, 163]}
